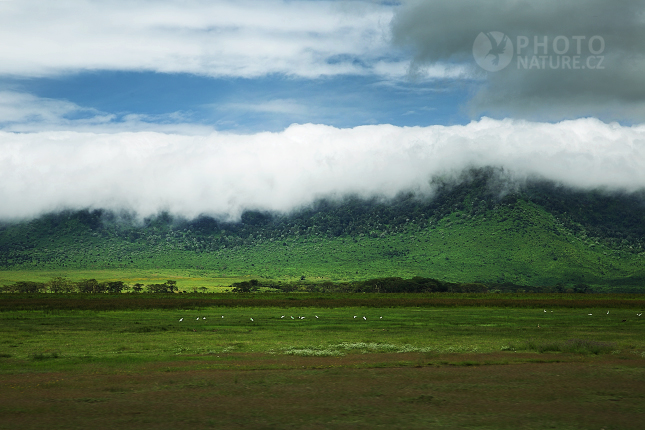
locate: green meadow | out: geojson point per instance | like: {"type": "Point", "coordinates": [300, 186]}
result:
{"type": "Point", "coordinates": [188, 280]}
{"type": "Point", "coordinates": [281, 361]}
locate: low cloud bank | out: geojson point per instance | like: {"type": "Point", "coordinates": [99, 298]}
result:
{"type": "Point", "coordinates": [223, 174]}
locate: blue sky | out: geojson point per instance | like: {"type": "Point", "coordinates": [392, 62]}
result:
{"type": "Point", "coordinates": [267, 103]}
{"type": "Point", "coordinates": [271, 104]}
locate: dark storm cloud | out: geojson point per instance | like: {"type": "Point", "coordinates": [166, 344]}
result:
{"type": "Point", "coordinates": [444, 31]}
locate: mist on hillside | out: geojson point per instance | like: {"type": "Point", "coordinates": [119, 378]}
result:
{"type": "Point", "coordinates": [222, 175]}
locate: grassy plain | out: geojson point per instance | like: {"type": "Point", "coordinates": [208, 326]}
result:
{"type": "Point", "coordinates": [188, 280]}
{"type": "Point", "coordinates": [399, 367]}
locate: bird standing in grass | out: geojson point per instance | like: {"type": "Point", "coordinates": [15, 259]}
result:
{"type": "Point", "coordinates": [365, 318]}
{"type": "Point", "coordinates": [251, 319]}
{"type": "Point", "coordinates": [181, 319]}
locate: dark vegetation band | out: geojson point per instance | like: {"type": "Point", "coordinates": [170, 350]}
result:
{"type": "Point", "coordinates": [388, 285]}
{"type": "Point", "coordinates": [50, 302]}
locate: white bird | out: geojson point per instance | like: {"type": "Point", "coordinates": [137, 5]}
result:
{"type": "Point", "coordinates": [251, 319]}
{"type": "Point", "coordinates": [354, 316]}
{"type": "Point", "coordinates": [282, 316]}
{"type": "Point", "coordinates": [197, 318]}
{"type": "Point", "coordinates": [380, 318]}
{"type": "Point", "coordinates": [589, 314]}
{"type": "Point", "coordinates": [222, 316]}
{"type": "Point", "coordinates": [181, 319]}
{"type": "Point", "coordinates": [292, 317]}
{"type": "Point", "coordinates": [204, 318]}
{"type": "Point", "coordinates": [545, 310]}
{"type": "Point", "coordinates": [607, 312]}
{"type": "Point", "coordinates": [365, 318]}
{"type": "Point", "coordinates": [639, 314]}
{"type": "Point", "coordinates": [316, 316]}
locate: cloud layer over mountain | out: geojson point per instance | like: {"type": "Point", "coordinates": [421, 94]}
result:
{"type": "Point", "coordinates": [223, 174]}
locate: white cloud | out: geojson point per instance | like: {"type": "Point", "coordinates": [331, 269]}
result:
{"type": "Point", "coordinates": [225, 173]}
{"type": "Point", "coordinates": [279, 106]}
{"type": "Point", "coordinates": [22, 112]}
{"type": "Point", "coordinates": [241, 38]}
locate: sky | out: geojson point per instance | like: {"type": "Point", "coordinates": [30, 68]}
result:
{"type": "Point", "coordinates": [214, 107]}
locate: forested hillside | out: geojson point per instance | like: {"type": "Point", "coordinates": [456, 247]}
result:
{"type": "Point", "coordinates": [479, 227]}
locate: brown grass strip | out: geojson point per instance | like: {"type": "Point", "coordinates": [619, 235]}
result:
{"type": "Point", "coordinates": [15, 302]}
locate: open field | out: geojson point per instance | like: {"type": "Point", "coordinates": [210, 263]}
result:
{"type": "Point", "coordinates": [188, 280]}
{"type": "Point", "coordinates": [399, 367]}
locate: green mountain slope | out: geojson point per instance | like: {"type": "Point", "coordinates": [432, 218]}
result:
{"type": "Point", "coordinates": [478, 228]}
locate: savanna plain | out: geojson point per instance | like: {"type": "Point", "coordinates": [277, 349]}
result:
{"type": "Point", "coordinates": [274, 361]}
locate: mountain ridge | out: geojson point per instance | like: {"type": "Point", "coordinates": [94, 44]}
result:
{"type": "Point", "coordinates": [480, 227]}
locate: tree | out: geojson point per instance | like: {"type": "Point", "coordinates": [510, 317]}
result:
{"type": "Point", "coordinates": [246, 286]}
{"type": "Point", "coordinates": [156, 288]}
{"type": "Point", "coordinates": [137, 288]}
{"type": "Point", "coordinates": [115, 287]}
{"type": "Point", "coordinates": [581, 288]}
{"type": "Point", "coordinates": [168, 287]}
{"type": "Point", "coordinates": [25, 287]}
{"type": "Point", "coordinates": [60, 285]}
{"type": "Point", "coordinates": [172, 286]}
{"type": "Point", "coordinates": [88, 286]}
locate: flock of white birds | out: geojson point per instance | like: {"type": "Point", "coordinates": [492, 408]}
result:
{"type": "Point", "coordinates": [355, 316]}
{"type": "Point", "coordinates": [299, 317]}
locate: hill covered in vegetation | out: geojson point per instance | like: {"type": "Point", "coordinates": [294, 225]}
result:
{"type": "Point", "coordinates": [480, 227]}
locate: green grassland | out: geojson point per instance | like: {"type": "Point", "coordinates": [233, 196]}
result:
{"type": "Point", "coordinates": [354, 366]}
{"type": "Point", "coordinates": [154, 334]}
{"type": "Point", "coordinates": [189, 280]}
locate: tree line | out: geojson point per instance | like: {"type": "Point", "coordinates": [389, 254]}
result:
{"type": "Point", "coordinates": [87, 286]}
{"type": "Point", "coordinates": [417, 284]}
{"type": "Point", "coordinates": [376, 285]}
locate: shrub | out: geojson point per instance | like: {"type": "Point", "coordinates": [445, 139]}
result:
{"type": "Point", "coordinates": [574, 346]}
